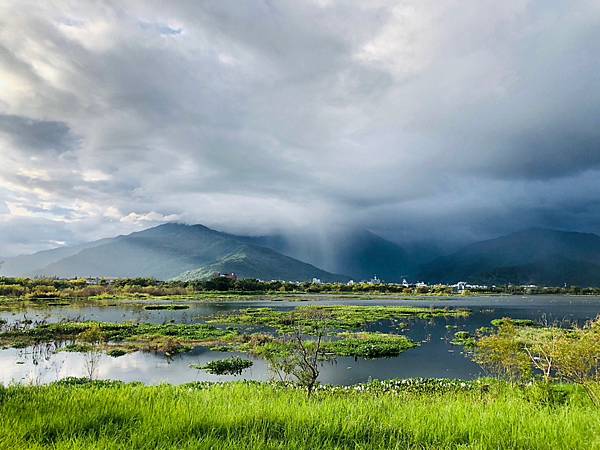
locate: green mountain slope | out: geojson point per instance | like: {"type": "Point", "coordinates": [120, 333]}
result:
{"type": "Point", "coordinates": [167, 251]}
{"type": "Point", "coordinates": [262, 263]}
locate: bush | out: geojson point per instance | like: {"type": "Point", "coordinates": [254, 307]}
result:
{"type": "Point", "coordinates": [546, 394]}
{"type": "Point", "coordinates": [230, 366]}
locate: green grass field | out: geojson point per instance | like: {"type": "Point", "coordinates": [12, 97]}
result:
{"type": "Point", "coordinates": [239, 415]}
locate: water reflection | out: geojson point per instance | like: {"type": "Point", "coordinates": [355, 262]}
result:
{"type": "Point", "coordinates": [435, 357]}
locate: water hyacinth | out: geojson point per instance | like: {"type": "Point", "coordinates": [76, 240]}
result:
{"type": "Point", "coordinates": [394, 386]}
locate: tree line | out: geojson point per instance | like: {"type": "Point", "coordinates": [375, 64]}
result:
{"type": "Point", "coordinates": [40, 288]}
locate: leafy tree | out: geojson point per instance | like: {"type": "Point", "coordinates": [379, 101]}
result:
{"type": "Point", "coordinates": [503, 354]}
{"type": "Point", "coordinates": [576, 358]}
{"type": "Point", "coordinates": [249, 285]}
{"type": "Point", "coordinates": [571, 355]}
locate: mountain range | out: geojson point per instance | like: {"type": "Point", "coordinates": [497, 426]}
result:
{"type": "Point", "coordinates": [534, 256]}
{"type": "Point", "coordinates": [187, 252]}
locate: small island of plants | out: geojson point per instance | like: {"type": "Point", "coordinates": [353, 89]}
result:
{"type": "Point", "coordinates": [230, 366]}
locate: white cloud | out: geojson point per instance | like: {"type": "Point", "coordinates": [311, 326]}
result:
{"type": "Point", "coordinates": [152, 217]}
{"type": "Point", "coordinates": [92, 176]}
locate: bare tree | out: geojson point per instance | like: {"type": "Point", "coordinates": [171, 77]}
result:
{"type": "Point", "coordinates": [303, 351]}
{"type": "Point", "coordinates": [308, 356]}
{"type": "Point", "coordinates": [93, 338]}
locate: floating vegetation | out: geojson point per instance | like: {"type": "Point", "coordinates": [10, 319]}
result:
{"type": "Point", "coordinates": [463, 338]}
{"type": "Point", "coordinates": [165, 307]}
{"type": "Point", "coordinates": [515, 322]}
{"type": "Point", "coordinates": [78, 348]}
{"type": "Point", "coordinates": [361, 345]}
{"type": "Point", "coordinates": [333, 317]}
{"type": "Point", "coordinates": [230, 366]}
{"type": "Point", "coordinates": [116, 352]}
{"type": "Point", "coordinates": [369, 345]}
{"type": "Point", "coordinates": [485, 330]}
{"type": "Point", "coordinates": [167, 338]}
{"type": "Point", "coordinates": [118, 339]}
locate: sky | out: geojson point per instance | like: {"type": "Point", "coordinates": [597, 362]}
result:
{"type": "Point", "coordinates": [451, 120]}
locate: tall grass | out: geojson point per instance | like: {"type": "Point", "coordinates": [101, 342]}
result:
{"type": "Point", "coordinates": [239, 415]}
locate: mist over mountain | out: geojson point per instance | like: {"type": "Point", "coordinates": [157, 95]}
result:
{"type": "Point", "coordinates": [165, 252]}
{"type": "Point", "coordinates": [30, 264]}
{"type": "Point", "coordinates": [534, 256]}
{"type": "Point", "coordinates": [358, 253]}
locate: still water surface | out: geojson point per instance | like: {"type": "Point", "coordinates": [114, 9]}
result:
{"type": "Point", "coordinates": [435, 357]}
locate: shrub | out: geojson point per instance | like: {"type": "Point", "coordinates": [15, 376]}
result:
{"type": "Point", "coordinates": [230, 366]}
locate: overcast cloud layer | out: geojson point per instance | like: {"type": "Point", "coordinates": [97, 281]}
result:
{"type": "Point", "coordinates": [456, 119]}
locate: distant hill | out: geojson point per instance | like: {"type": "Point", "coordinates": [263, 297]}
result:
{"type": "Point", "coordinates": [360, 254]}
{"type": "Point", "coordinates": [29, 264]}
{"type": "Point", "coordinates": [535, 256]}
{"type": "Point", "coordinates": [259, 262]}
{"type": "Point", "coordinates": [165, 252]}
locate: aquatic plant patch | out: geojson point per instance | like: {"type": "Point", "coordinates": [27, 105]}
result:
{"type": "Point", "coordinates": [515, 322]}
{"type": "Point", "coordinates": [168, 338]}
{"type": "Point", "coordinates": [333, 317]}
{"type": "Point", "coordinates": [463, 338]}
{"type": "Point", "coordinates": [363, 345]}
{"type": "Point", "coordinates": [369, 345]}
{"type": "Point", "coordinates": [229, 366]}
{"type": "Point", "coordinates": [165, 307]}
{"type": "Point", "coordinates": [117, 339]}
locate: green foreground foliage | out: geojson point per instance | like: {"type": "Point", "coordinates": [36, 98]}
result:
{"type": "Point", "coordinates": [406, 414]}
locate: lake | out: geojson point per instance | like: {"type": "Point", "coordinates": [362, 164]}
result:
{"type": "Point", "coordinates": [435, 356]}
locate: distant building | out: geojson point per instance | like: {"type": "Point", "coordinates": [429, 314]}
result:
{"type": "Point", "coordinates": [231, 276]}
{"type": "Point", "coordinates": [316, 281]}
{"type": "Point", "coordinates": [100, 280]}
{"type": "Point", "coordinates": [460, 286]}
{"type": "Point", "coordinates": [375, 280]}
{"type": "Point", "coordinates": [463, 286]}
{"type": "Point", "coordinates": [350, 283]}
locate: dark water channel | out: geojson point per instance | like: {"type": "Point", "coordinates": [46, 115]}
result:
{"type": "Point", "coordinates": [435, 357]}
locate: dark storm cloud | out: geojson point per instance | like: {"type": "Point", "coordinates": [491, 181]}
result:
{"type": "Point", "coordinates": [37, 136]}
{"type": "Point", "coordinates": [455, 120]}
